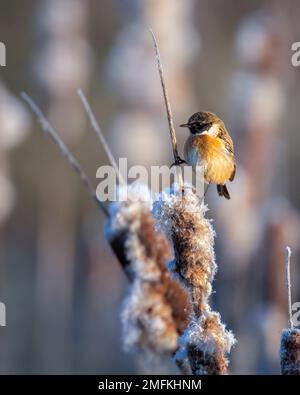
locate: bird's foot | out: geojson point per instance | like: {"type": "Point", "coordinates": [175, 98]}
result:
{"type": "Point", "coordinates": [178, 162]}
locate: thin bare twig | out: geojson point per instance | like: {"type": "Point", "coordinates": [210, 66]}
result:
{"type": "Point", "coordinates": [48, 129]}
{"type": "Point", "coordinates": [100, 135]}
{"type": "Point", "coordinates": [168, 106]}
{"type": "Point", "coordinates": [288, 285]}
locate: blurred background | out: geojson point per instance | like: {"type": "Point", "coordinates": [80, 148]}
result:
{"type": "Point", "coordinates": [62, 286]}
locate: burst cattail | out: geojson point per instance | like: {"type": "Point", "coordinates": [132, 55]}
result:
{"type": "Point", "coordinates": [205, 343]}
{"type": "Point", "coordinates": [192, 236]}
{"type": "Point", "coordinates": [290, 338]}
{"type": "Point", "coordinates": [151, 320]}
{"type": "Point", "coordinates": [290, 352]}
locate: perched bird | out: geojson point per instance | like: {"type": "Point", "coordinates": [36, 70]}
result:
{"type": "Point", "coordinates": [209, 145]}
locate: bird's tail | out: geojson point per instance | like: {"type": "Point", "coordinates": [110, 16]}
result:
{"type": "Point", "coordinates": [223, 191]}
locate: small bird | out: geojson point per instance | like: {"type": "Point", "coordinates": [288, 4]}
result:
{"type": "Point", "coordinates": [209, 145]}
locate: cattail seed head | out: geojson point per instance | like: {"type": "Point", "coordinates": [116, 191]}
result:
{"type": "Point", "coordinates": [205, 344]}
{"type": "Point", "coordinates": [150, 318]}
{"type": "Point", "coordinates": [290, 352]}
{"type": "Point", "coordinates": [208, 343]}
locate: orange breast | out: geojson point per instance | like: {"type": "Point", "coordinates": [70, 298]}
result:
{"type": "Point", "coordinates": [210, 152]}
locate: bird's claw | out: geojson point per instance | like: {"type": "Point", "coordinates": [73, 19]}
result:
{"type": "Point", "coordinates": [178, 162]}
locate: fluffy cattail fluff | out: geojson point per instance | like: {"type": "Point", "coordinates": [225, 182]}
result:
{"type": "Point", "coordinates": [290, 338]}
{"type": "Point", "coordinates": [205, 343]}
{"type": "Point", "coordinates": [192, 236]}
{"type": "Point", "coordinates": [151, 319]}
{"type": "Point", "coordinates": [290, 352]}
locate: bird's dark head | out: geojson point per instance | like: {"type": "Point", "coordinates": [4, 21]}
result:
{"type": "Point", "coordinates": [201, 121]}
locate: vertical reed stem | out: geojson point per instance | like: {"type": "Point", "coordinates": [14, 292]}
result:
{"type": "Point", "coordinates": [288, 285]}
{"type": "Point", "coordinates": [168, 109]}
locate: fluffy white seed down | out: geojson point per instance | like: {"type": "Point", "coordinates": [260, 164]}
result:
{"type": "Point", "coordinates": [205, 343]}
{"type": "Point", "coordinates": [147, 319]}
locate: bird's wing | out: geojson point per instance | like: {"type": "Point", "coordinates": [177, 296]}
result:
{"type": "Point", "coordinates": [223, 134]}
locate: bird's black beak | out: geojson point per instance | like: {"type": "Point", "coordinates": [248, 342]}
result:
{"type": "Point", "coordinates": [184, 125]}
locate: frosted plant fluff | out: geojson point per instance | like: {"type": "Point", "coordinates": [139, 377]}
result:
{"type": "Point", "coordinates": [205, 343]}
{"type": "Point", "coordinates": [149, 311]}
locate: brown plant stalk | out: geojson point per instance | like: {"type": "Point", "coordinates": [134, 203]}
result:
{"type": "Point", "coordinates": [168, 110]}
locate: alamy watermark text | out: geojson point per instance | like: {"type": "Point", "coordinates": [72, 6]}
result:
{"type": "Point", "coordinates": [2, 314]}
{"type": "Point", "coordinates": [2, 54]}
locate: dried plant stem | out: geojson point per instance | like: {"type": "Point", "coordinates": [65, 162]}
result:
{"type": "Point", "coordinates": [166, 98]}
{"type": "Point", "coordinates": [288, 285]}
{"type": "Point", "coordinates": [168, 107]}
{"type": "Point", "coordinates": [100, 135]}
{"type": "Point", "coordinates": [48, 129]}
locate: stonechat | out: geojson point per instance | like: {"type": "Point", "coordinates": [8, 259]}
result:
{"type": "Point", "coordinates": [209, 145]}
